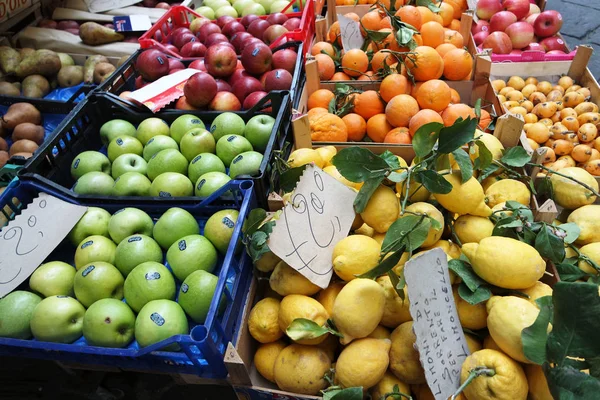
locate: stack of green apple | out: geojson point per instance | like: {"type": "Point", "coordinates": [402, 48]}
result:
{"type": "Point", "coordinates": [213, 9]}
{"type": "Point", "coordinates": [183, 159]}
{"type": "Point", "coordinates": [118, 257]}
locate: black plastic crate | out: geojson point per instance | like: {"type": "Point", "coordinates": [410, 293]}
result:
{"type": "Point", "coordinates": [51, 164]}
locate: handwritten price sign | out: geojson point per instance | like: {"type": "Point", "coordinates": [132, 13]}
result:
{"type": "Point", "coordinates": [9, 8]}
{"type": "Point", "coordinates": [440, 338]}
{"type": "Point", "coordinates": [351, 36]}
{"type": "Point", "coordinates": [27, 240]}
{"type": "Point", "coordinates": [319, 215]}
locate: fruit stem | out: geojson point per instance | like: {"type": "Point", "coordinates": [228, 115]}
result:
{"type": "Point", "coordinates": [407, 191]}
{"type": "Point", "coordinates": [565, 176]}
{"type": "Point", "coordinates": [474, 373]}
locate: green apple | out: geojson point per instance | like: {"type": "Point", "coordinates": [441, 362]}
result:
{"type": "Point", "coordinates": [116, 127]}
{"type": "Point", "coordinates": [129, 221]}
{"type": "Point", "coordinates": [256, 9]}
{"type": "Point", "coordinates": [148, 281]}
{"type": "Point", "coordinates": [124, 145]}
{"type": "Point", "coordinates": [196, 295]}
{"type": "Point", "coordinates": [58, 319]}
{"type": "Point", "coordinates": [98, 280]}
{"type": "Point", "coordinates": [226, 10]}
{"type": "Point", "coordinates": [158, 143]}
{"type": "Point", "coordinates": [168, 160]}
{"type": "Point", "coordinates": [132, 184]}
{"type": "Point", "coordinates": [159, 320]}
{"type": "Point", "coordinates": [203, 163]}
{"type": "Point", "coordinates": [247, 164]}
{"type": "Point", "coordinates": [128, 163]}
{"type": "Point", "coordinates": [171, 184]}
{"type": "Point", "coordinates": [53, 278]}
{"type": "Point", "coordinates": [216, 4]}
{"type": "Point", "coordinates": [134, 250]}
{"type": "Point", "coordinates": [151, 127]}
{"type": "Point", "coordinates": [197, 141]}
{"type": "Point", "coordinates": [279, 6]}
{"type": "Point", "coordinates": [94, 182]}
{"type": "Point", "coordinates": [259, 130]}
{"type": "Point", "coordinates": [183, 124]}
{"type": "Point", "coordinates": [210, 182]}
{"type": "Point", "coordinates": [229, 146]}
{"type": "Point", "coordinates": [239, 5]}
{"type": "Point", "coordinates": [95, 248]}
{"type": "Point", "coordinates": [191, 253]}
{"type": "Point", "coordinates": [206, 12]}
{"type": "Point", "coordinates": [108, 323]}
{"type": "Point", "coordinates": [89, 161]}
{"type": "Point", "coordinates": [227, 123]}
{"type": "Point", "coordinates": [94, 222]}
{"type": "Point", "coordinates": [174, 224]}
{"type": "Point", "coordinates": [219, 228]}
{"type": "Point", "coordinates": [16, 309]}
{"type": "Point", "coordinates": [266, 5]}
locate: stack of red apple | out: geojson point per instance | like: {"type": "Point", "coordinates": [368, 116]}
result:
{"type": "Point", "coordinates": [514, 26]}
{"type": "Point", "coordinates": [203, 33]}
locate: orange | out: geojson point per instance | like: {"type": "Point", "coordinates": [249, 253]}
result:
{"type": "Point", "coordinates": [454, 37]}
{"type": "Point", "coordinates": [460, 6]}
{"type": "Point", "coordinates": [367, 104]}
{"type": "Point", "coordinates": [340, 76]}
{"type": "Point", "coordinates": [447, 13]}
{"type": "Point", "coordinates": [368, 76]}
{"type": "Point", "coordinates": [328, 128]}
{"type": "Point", "coordinates": [410, 15]}
{"type": "Point", "coordinates": [415, 89]}
{"type": "Point", "coordinates": [370, 21]}
{"type": "Point", "coordinates": [385, 23]}
{"type": "Point", "coordinates": [455, 97]}
{"type": "Point", "coordinates": [326, 66]}
{"type": "Point", "coordinates": [393, 85]}
{"type": "Point", "coordinates": [387, 42]}
{"type": "Point", "coordinates": [352, 16]}
{"type": "Point", "coordinates": [320, 98]}
{"type": "Point", "coordinates": [426, 14]}
{"type": "Point", "coordinates": [355, 62]}
{"type": "Point", "coordinates": [320, 47]}
{"type": "Point", "coordinates": [398, 136]}
{"type": "Point", "coordinates": [356, 126]}
{"type": "Point", "coordinates": [378, 127]}
{"type": "Point", "coordinates": [454, 111]}
{"type": "Point", "coordinates": [388, 4]}
{"type": "Point", "coordinates": [333, 35]}
{"type": "Point", "coordinates": [485, 120]}
{"type": "Point", "coordinates": [313, 112]}
{"type": "Point", "coordinates": [443, 48]}
{"type": "Point", "coordinates": [421, 118]}
{"type": "Point", "coordinates": [425, 63]}
{"type": "Point", "coordinates": [432, 34]}
{"type": "Point", "coordinates": [401, 109]}
{"type": "Point", "coordinates": [381, 58]}
{"type": "Point", "coordinates": [455, 25]}
{"type": "Point", "coordinates": [457, 65]}
{"type": "Point", "coordinates": [434, 94]}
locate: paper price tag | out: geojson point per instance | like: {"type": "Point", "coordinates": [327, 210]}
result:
{"type": "Point", "coordinates": [319, 214]}
{"type": "Point", "coordinates": [132, 23]}
{"type": "Point", "coordinates": [27, 240]}
{"type": "Point", "coordinates": [350, 31]}
{"type": "Point", "coordinates": [440, 338]}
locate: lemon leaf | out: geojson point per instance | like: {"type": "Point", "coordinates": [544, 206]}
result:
{"type": "Point", "coordinates": [252, 223]}
{"type": "Point", "coordinates": [384, 266]}
{"type": "Point", "coordinates": [477, 108]}
{"type": "Point", "coordinates": [464, 163]}
{"type": "Point", "coordinates": [302, 328]}
{"type": "Point", "coordinates": [391, 159]}
{"type": "Point", "coordinates": [534, 337]}
{"type": "Point", "coordinates": [487, 171]}
{"type": "Point", "coordinates": [365, 193]}
{"type": "Point", "coordinates": [572, 230]}
{"type": "Point", "coordinates": [289, 179]}
{"type": "Point", "coordinates": [433, 181]}
{"type": "Point", "coordinates": [398, 177]}
{"type": "Point", "coordinates": [397, 283]}
{"type": "Point", "coordinates": [549, 245]}
{"type": "Point", "coordinates": [358, 164]}
{"type": "Point", "coordinates": [455, 136]}
{"type": "Point", "coordinates": [481, 294]}
{"type": "Point", "coordinates": [485, 157]}
{"type": "Point", "coordinates": [466, 273]}
{"type": "Point", "coordinates": [352, 393]}
{"type": "Point", "coordinates": [569, 272]}
{"type": "Point", "coordinates": [567, 383]}
{"type": "Point", "coordinates": [516, 157]}
{"type": "Point", "coordinates": [429, 4]}
{"type": "Point", "coordinates": [425, 138]}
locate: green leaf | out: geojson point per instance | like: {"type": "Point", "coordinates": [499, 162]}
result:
{"type": "Point", "coordinates": [570, 384]}
{"type": "Point", "coordinates": [570, 272]}
{"type": "Point", "coordinates": [397, 283]}
{"type": "Point", "coordinates": [289, 179]}
{"type": "Point", "coordinates": [402, 229]}
{"type": "Point", "coordinates": [464, 163]}
{"type": "Point", "coordinates": [429, 4]}
{"type": "Point", "coordinates": [594, 367]}
{"type": "Point", "coordinates": [442, 162]}
{"type": "Point", "coordinates": [549, 245]}
{"type": "Point", "coordinates": [572, 230]}
{"type": "Point", "coordinates": [433, 181]}
{"type": "Point", "coordinates": [466, 273]}
{"type": "Point", "coordinates": [252, 223]}
{"type": "Point", "coordinates": [516, 157]}
{"type": "Point", "coordinates": [383, 267]}
{"type": "Point", "coordinates": [478, 108]}
{"type": "Point", "coordinates": [481, 294]}
{"type": "Point", "coordinates": [425, 138]}
{"type": "Point", "coordinates": [509, 222]}
{"type": "Point", "coordinates": [455, 136]}
{"type": "Point", "coordinates": [417, 237]}
{"type": "Point", "coordinates": [485, 158]}
{"type": "Point", "coordinates": [398, 177]}
{"type": "Point", "coordinates": [487, 171]}
{"type": "Point", "coordinates": [358, 164]}
{"type": "Point", "coordinates": [352, 393]}
{"type": "Point", "coordinates": [302, 328]}
{"type": "Point", "coordinates": [435, 224]}
{"type": "Point", "coordinates": [534, 337]}
{"type": "Point", "coordinates": [365, 193]}
{"type": "Point", "coordinates": [391, 159]}
{"type": "Point", "coordinates": [331, 107]}
{"type": "Point", "coordinates": [544, 187]}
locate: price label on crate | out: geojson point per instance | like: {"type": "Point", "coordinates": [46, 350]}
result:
{"type": "Point", "coordinates": [319, 214]}
{"type": "Point", "coordinates": [350, 31]}
{"type": "Point", "coordinates": [440, 338]}
{"type": "Point", "coordinates": [28, 239]}
{"type": "Point", "coordinates": [132, 23]}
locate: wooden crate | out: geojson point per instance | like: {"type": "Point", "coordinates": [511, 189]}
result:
{"type": "Point", "coordinates": [18, 13]}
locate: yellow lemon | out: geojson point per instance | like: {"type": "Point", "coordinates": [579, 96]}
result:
{"type": "Point", "coordinates": [538, 385]}
{"type": "Point", "coordinates": [265, 356]}
{"type": "Point", "coordinates": [357, 223]}
{"type": "Point", "coordinates": [434, 234]}
{"type": "Point", "coordinates": [386, 385]}
{"type": "Point", "coordinates": [327, 296]}
{"type": "Point", "coordinates": [472, 229]}
{"type": "Point", "coordinates": [355, 255]}
{"type": "Point", "coordinates": [333, 171]}
{"type": "Point", "coordinates": [587, 219]}
{"type": "Point", "coordinates": [286, 280]}
{"type": "Point", "coordinates": [302, 157]}
{"type": "Point", "coordinates": [263, 321]}
{"type": "Point", "coordinates": [267, 262]}
{"type": "Point", "coordinates": [358, 309]}
{"type": "Point", "coordinates": [472, 343]}
{"type": "Point", "coordinates": [379, 237]}
{"type": "Point", "coordinates": [365, 230]}
{"type": "Point", "coordinates": [326, 153]}
{"type": "Point", "coordinates": [491, 142]}
{"type": "Point", "coordinates": [499, 210]}
{"type": "Point", "coordinates": [363, 363]}
{"type": "Point", "coordinates": [539, 289]}
{"type": "Point", "coordinates": [416, 191]}
{"type": "Point", "coordinates": [382, 209]}
{"type": "Point", "coordinates": [508, 383]}
{"type": "Point", "coordinates": [449, 248]}
{"type": "Point", "coordinates": [591, 250]}
{"type": "Point", "coordinates": [571, 195]}
{"type": "Point", "coordinates": [489, 343]}
{"type": "Point", "coordinates": [472, 316]}
{"type": "Point", "coordinates": [330, 346]}
{"type": "Point", "coordinates": [505, 190]}
{"type": "Point", "coordinates": [297, 306]}
{"type": "Point", "coordinates": [301, 369]}
{"type": "Point", "coordinates": [505, 262]}
{"type": "Point", "coordinates": [396, 310]}
{"type": "Point", "coordinates": [404, 358]}
{"type": "Point", "coordinates": [507, 317]}
{"type": "Point", "coordinates": [381, 332]}
{"type": "Point", "coordinates": [464, 198]}
{"type": "Point", "coordinates": [490, 180]}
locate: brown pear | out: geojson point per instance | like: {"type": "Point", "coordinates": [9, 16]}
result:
{"type": "Point", "coordinates": [70, 75]}
{"type": "Point", "coordinates": [21, 112]}
{"type": "Point", "coordinates": [26, 52]}
{"type": "Point", "coordinates": [9, 59]}
{"type": "Point", "coordinates": [35, 86]}
{"type": "Point", "coordinates": [8, 89]}
{"type": "Point", "coordinates": [3, 145]}
{"type": "Point", "coordinates": [23, 146]}
{"type": "Point", "coordinates": [29, 131]}
{"type": "Point", "coordinates": [90, 64]}
{"type": "Point", "coordinates": [102, 71]}
{"type": "Point", "coordinates": [42, 62]}
{"type": "Point", "coordinates": [94, 34]}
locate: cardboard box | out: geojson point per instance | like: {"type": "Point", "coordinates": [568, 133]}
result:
{"type": "Point", "coordinates": [12, 8]}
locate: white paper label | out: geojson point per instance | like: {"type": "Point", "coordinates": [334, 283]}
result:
{"type": "Point", "coordinates": [319, 214]}
{"type": "Point", "coordinates": [350, 31]}
{"type": "Point", "coordinates": [26, 241]}
{"type": "Point", "coordinates": [96, 6]}
{"type": "Point", "coordinates": [132, 23]}
{"type": "Point", "coordinates": [440, 338]}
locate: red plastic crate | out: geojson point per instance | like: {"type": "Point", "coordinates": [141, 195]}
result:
{"type": "Point", "coordinates": [181, 16]}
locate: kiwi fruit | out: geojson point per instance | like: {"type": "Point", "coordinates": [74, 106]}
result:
{"type": "Point", "coordinates": [3, 158]}
{"type": "Point", "coordinates": [30, 131]}
{"type": "Point", "coordinates": [23, 146]}
{"type": "Point", "coordinates": [8, 89]}
{"type": "Point", "coordinates": [3, 145]}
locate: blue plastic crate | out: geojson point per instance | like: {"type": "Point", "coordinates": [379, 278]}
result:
{"type": "Point", "coordinates": [203, 349]}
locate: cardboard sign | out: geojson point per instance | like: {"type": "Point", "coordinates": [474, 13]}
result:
{"type": "Point", "coordinates": [350, 31]}
{"type": "Point", "coordinates": [320, 214]}
{"type": "Point", "coordinates": [96, 6]}
{"type": "Point", "coordinates": [132, 23]}
{"type": "Point", "coordinates": [440, 338]}
{"type": "Point", "coordinates": [28, 239]}
{"type": "Point", "coordinates": [163, 91]}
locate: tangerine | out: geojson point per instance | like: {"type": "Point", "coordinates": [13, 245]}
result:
{"type": "Point", "coordinates": [432, 34]}
{"type": "Point", "coordinates": [454, 96]}
{"type": "Point", "coordinates": [367, 104]}
{"type": "Point", "coordinates": [447, 13]}
{"type": "Point", "coordinates": [485, 120]}
{"type": "Point", "coordinates": [355, 62]}
{"type": "Point", "coordinates": [356, 126]}
{"type": "Point", "coordinates": [401, 109]}
{"type": "Point", "coordinates": [370, 21]}
{"type": "Point", "coordinates": [398, 135]}
{"type": "Point", "coordinates": [320, 98]}
{"type": "Point", "coordinates": [454, 37]}
{"type": "Point", "coordinates": [378, 127]}
{"type": "Point", "coordinates": [457, 64]}
{"type": "Point", "coordinates": [340, 76]}
{"type": "Point", "coordinates": [454, 111]}
{"type": "Point", "coordinates": [421, 118]}
{"type": "Point", "coordinates": [443, 48]}
{"type": "Point", "coordinates": [326, 66]}
{"type": "Point", "coordinates": [425, 64]}
{"type": "Point", "coordinates": [393, 85]}
{"type": "Point", "coordinates": [434, 94]}
{"type": "Point", "coordinates": [320, 47]}
{"type": "Point", "coordinates": [380, 58]}
{"type": "Point", "coordinates": [313, 112]}
{"type": "Point", "coordinates": [410, 15]}
{"type": "Point", "coordinates": [328, 128]}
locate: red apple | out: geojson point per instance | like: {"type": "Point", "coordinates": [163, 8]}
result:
{"type": "Point", "coordinates": [206, 30]}
{"type": "Point", "coordinates": [251, 41]}
{"type": "Point", "coordinates": [480, 37]}
{"type": "Point", "coordinates": [278, 79]}
{"type": "Point", "coordinates": [292, 24]}
{"type": "Point", "coordinates": [277, 18]}
{"type": "Point", "coordinates": [556, 52]}
{"type": "Point", "coordinates": [197, 23]}
{"type": "Point", "coordinates": [215, 38]}
{"type": "Point", "coordinates": [531, 19]}
{"type": "Point", "coordinates": [232, 27]}
{"type": "Point", "coordinates": [175, 33]}
{"type": "Point", "coordinates": [548, 23]}
{"type": "Point", "coordinates": [534, 46]}
{"type": "Point", "coordinates": [163, 5]}
{"type": "Point", "coordinates": [479, 26]}
{"type": "Point", "coordinates": [553, 43]}
{"type": "Point", "coordinates": [174, 64]}
{"type": "Point", "coordinates": [257, 27]}
{"type": "Point", "coordinates": [487, 8]}
{"type": "Point", "coordinates": [237, 74]}
{"type": "Point", "coordinates": [140, 82]}
{"type": "Point", "coordinates": [516, 52]}
{"type": "Point", "coordinates": [224, 19]}
{"type": "Point", "coordinates": [223, 86]}
{"type": "Point", "coordinates": [152, 64]}
{"type": "Point", "coordinates": [273, 33]}
{"type": "Point", "coordinates": [220, 61]}
{"type": "Point", "coordinates": [247, 19]}
{"type": "Point", "coordinates": [158, 36]}
{"type": "Point", "coordinates": [225, 101]}
{"type": "Point", "coordinates": [252, 99]}
{"type": "Point", "coordinates": [501, 21]}
{"type": "Point", "coordinates": [238, 38]}
{"type": "Point", "coordinates": [533, 9]}
{"type": "Point", "coordinates": [520, 34]}
{"type": "Point", "coordinates": [257, 58]}
{"type": "Point", "coordinates": [48, 23]}
{"type": "Point", "coordinates": [193, 49]}
{"type": "Point", "coordinates": [263, 79]}
{"type": "Point", "coordinates": [182, 104]}
{"type": "Point", "coordinates": [244, 86]}
{"type": "Point", "coordinates": [518, 7]}
{"type": "Point", "coordinates": [285, 59]}
{"type": "Point", "coordinates": [171, 48]}
{"type": "Point", "coordinates": [499, 42]}
{"type": "Point", "coordinates": [198, 64]}
{"type": "Point", "coordinates": [200, 89]}
{"type": "Point", "coordinates": [64, 25]}
{"type": "Point", "coordinates": [183, 39]}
